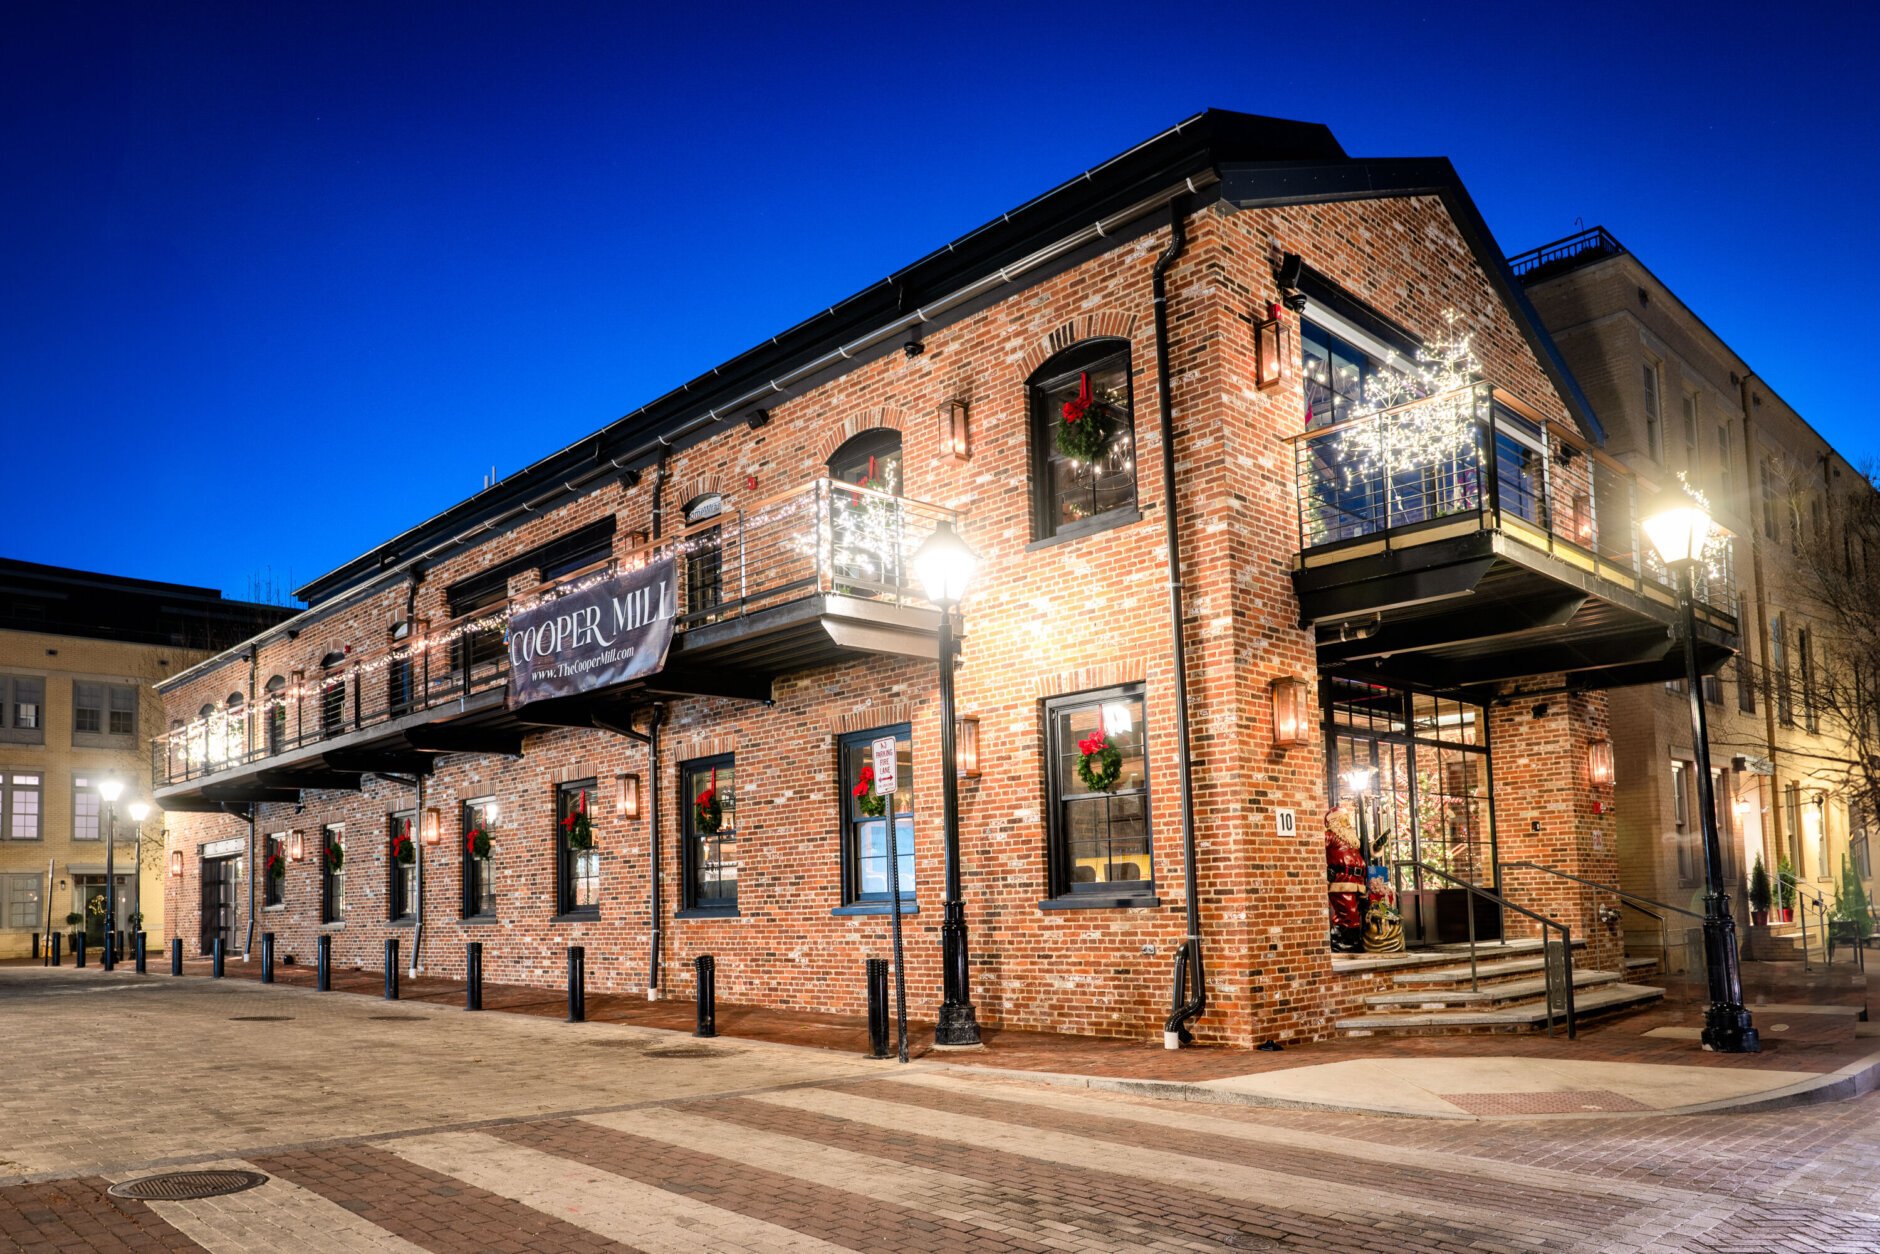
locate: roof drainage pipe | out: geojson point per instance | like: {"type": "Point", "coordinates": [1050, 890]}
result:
{"type": "Point", "coordinates": [649, 738]}
{"type": "Point", "coordinates": [1190, 995]}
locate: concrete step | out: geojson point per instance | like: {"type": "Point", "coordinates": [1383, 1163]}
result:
{"type": "Point", "coordinates": [1485, 969]}
{"type": "Point", "coordinates": [1521, 1017]}
{"type": "Point", "coordinates": [1640, 966]}
{"type": "Point", "coordinates": [1361, 964]}
{"type": "Point", "coordinates": [1505, 993]}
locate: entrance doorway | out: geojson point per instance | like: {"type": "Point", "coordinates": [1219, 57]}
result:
{"type": "Point", "coordinates": [89, 899]}
{"type": "Point", "coordinates": [220, 876]}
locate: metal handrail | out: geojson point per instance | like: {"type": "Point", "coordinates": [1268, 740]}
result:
{"type": "Point", "coordinates": [1644, 905]}
{"type": "Point", "coordinates": [1801, 892]}
{"type": "Point", "coordinates": [1566, 939]}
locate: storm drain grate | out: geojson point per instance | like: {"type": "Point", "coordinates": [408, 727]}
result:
{"type": "Point", "coordinates": [396, 1018]}
{"type": "Point", "coordinates": [261, 1018]}
{"type": "Point", "coordinates": [185, 1186]}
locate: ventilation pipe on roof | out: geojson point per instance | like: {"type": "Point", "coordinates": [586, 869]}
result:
{"type": "Point", "coordinates": [1190, 995]}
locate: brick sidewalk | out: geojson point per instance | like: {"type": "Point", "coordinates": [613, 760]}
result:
{"type": "Point", "coordinates": [1818, 1043]}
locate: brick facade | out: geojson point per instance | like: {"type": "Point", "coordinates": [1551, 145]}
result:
{"type": "Point", "coordinates": [1040, 620]}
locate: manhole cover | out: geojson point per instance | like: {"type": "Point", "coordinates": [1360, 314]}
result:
{"type": "Point", "coordinates": [183, 1186]}
{"type": "Point", "coordinates": [261, 1018]}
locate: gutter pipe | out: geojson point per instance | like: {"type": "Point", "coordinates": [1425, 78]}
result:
{"type": "Point", "coordinates": [1190, 994]}
{"type": "Point", "coordinates": [649, 738]}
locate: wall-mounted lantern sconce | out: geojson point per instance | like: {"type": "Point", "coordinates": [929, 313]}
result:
{"type": "Point", "coordinates": [433, 827]}
{"type": "Point", "coordinates": [627, 796]}
{"type": "Point", "coordinates": [953, 442]}
{"type": "Point", "coordinates": [296, 847]}
{"type": "Point", "coordinates": [176, 864]}
{"type": "Point", "coordinates": [966, 745]}
{"type": "Point", "coordinates": [1599, 761]}
{"type": "Point", "coordinates": [1289, 712]}
{"type": "Point", "coordinates": [1272, 360]}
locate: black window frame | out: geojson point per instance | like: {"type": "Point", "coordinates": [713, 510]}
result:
{"type": "Point", "coordinates": [401, 890]}
{"type": "Point", "coordinates": [879, 443]}
{"type": "Point", "coordinates": [1065, 892]}
{"type": "Point", "coordinates": [18, 692]}
{"type": "Point", "coordinates": [10, 788]}
{"type": "Point", "coordinates": [854, 900]}
{"type": "Point", "coordinates": [704, 559]}
{"type": "Point", "coordinates": [1062, 368]}
{"type": "Point", "coordinates": [692, 905]}
{"type": "Point", "coordinates": [273, 891]}
{"type": "Point", "coordinates": [568, 875]}
{"type": "Point", "coordinates": [477, 886]}
{"type": "Point", "coordinates": [332, 883]}
{"type": "Point", "coordinates": [276, 706]}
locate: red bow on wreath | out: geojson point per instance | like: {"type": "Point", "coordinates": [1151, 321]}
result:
{"type": "Point", "coordinates": [1093, 743]}
{"type": "Point", "coordinates": [1076, 409]}
{"type": "Point", "coordinates": [867, 778]}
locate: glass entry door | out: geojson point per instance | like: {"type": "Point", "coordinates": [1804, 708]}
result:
{"type": "Point", "coordinates": [220, 877]}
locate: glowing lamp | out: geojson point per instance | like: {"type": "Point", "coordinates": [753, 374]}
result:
{"type": "Point", "coordinates": [1679, 532]}
{"type": "Point", "coordinates": [433, 827]}
{"type": "Point", "coordinates": [1358, 779]}
{"type": "Point", "coordinates": [1288, 695]}
{"type": "Point", "coordinates": [953, 431]}
{"type": "Point", "coordinates": [627, 796]}
{"type": "Point", "coordinates": [944, 566]}
{"type": "Point", "coordinates": [140, 810]}
{"type": "Point", "coordinates": [1272, 362]}
{"type": "Point", "coordinates": [296, 847]}
{"type": "Point", "coordinates": [966, 745]}
{"type": "Point", "coordinates": [1599, 761]}
{"type": "Point", "coordinates": [176, 864]}
{"type": "Point", "coordinates": [110, 788]}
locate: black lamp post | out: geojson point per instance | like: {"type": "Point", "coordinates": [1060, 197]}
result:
{"type": "Point", "coordinates": [140, 810]}
{"type": "Point", "coordinates": [944, 565]}
{"type": "Point", "coordinates": [110, 788]}
{"type": "Point", "coordinates": [1679, 533]}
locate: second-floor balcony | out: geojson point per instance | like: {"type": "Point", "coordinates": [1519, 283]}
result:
{"type": "Point", "coordinates": [806, 579]}
{"type": "Point", "coordinates": [1463, 539]}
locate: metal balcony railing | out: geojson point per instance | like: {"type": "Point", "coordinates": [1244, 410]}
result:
{"type": "Point", "coordinates": [823, 538]}
{"type": "Point", "coordinates": [1579, 249]}
{"type": "Point", "coordinates": [1475, 452]}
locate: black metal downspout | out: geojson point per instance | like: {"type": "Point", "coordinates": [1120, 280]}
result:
{"type": "Point", "coordinates": [649, 738]}
{"type": "Point", "coordinates": [1190, 994]}
{"type": "Point", "coordinates": [659, 487]}
{"type": "Point", "coordinates": [248, 939]}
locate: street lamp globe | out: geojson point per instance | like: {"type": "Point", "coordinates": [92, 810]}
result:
{"type": "Point", "coordinates": [944, 566]}
{"type": "Point", "coordinates": [1679, 532]}
{"type": "Point", "coordinates": [110, 787]}
{"type": "Point", "coordinates": [1358, 779]}
{"type": "Point", "coordinates": [140, 810]}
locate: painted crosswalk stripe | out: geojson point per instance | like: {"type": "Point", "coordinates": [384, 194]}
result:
{"type": "Point", "coordinates": [648, 1218]}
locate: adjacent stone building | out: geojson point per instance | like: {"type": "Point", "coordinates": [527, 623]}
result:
{"type": "Point", "coordinates": [1403, 586]}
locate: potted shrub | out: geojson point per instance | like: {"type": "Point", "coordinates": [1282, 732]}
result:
{"type": "Point", "coordinates": [1853, 918]}
{"type": "Point", "coordinates": [74, 920]}
{"type": "Point", "coordinates": [1785, 890]}
{"type": "Point", "coordinates": [1759, 894]}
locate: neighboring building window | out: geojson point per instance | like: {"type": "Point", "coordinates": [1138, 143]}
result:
{"type": "Point", "coordinates": [400, 877]}
{"type": "Point", "coordinates": [1072, 497]}
{"type": "Point", "coordinates": [1857, 853]}
{"type": "Point", "coordinates": [1713, 689]}
{"type": "Point", "coordinates": [869, 460]}
{"type": "Point", "coordinates": [276, 705]}
{"type": "Point", "coordinates": [1680, 794]}
{"type": "Point", "coordinates": [87, 809]}
{"type": "Point", "coordinates": [23, 709]}
{"type": "Point", "coordinates": [1654, 415]}
{"type": "Point", "coordinates": [103, 710]}
{"type": "Point", "coordinates": [123, 710]}
{"type": "Point", "coordinates": [332, 878]}
{"type": "Point", "coordinates": [578, 872]}
{"type": "Point", "coordinates": [1779, 663]}
{"type": "Point", "coordinates": [1691, 460]}
{"type": "Point", "coordinates": [865, 871]}
{"type": "Point", "coordinates": [1745, 685]}
{"type": "Point", "coordinates": [1792, 811]}
{"type": "Point", "coordinates": [273, 855]}
{"type": "Point", "coordinates": [1805, 654]}
{"type": "Point", "coordinates": [704, 560]}
{"type": "Point", "coordinates": [87, 708]}
{"type": "Point", "coordinates": [1768, 500]}
{"type": "Point", "coordinates": [1724, 464]}
{"type": "Point", "coordinates": [332, 695]}
{"type": "Point", "coordinates": [1099, 840]}
{"type": "Point", "coordinates": [20, 804]}
{"type": "Point", "coordinates": [22, 899]}
{"type": "Point", "coordinates": [479, 873]}
{"type": "Point", "coordinates": [710, 858]}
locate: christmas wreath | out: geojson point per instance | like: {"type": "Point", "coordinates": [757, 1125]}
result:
{"type": "Point", "coordinates": [403, 851]}
{"type": "Point", "coordinates": [867, 799]}
{"type": "Point", "coordinates": [578, 828]}
{"type": "Point", "coordinates": [1087, 426]}
{"type": "Point", "coordinates": [708, 815]}
{"type": "Point", "coordinates": [1099, 765]}
{"type": "Point", "coordinates": [335, 858]}
{"type": "Point", "coordinates": [476, 841]}
{"type": "Point", "coordinates": [277, 866]}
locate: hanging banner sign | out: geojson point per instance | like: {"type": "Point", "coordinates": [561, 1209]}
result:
{"type": "Point", "coordinates": [615, 631]}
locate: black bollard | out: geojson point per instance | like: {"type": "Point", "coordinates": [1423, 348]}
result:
{"type": "Point", "coordinates": [391, 968]}
{"type": "Point", "coordinates": [877, 1007]}
{"type": "Point", "coordinates": [267, 957]}
{"type": "Point", "coordinates": [707, 968]}
{"type": "Point", "coordinates": [36, 947]}
{"type": "Point", "coordinates": [323, 976]}
{"type": "Point", "coordinates": [176, 955]}
{"type": "Point", "coordinates": [577, 983]}
{"type": "Point", "coordinates": [78, 947]}
{"type": "Point", "coordinates": [137, 942]}
{"type": "Point", "coordinates": [473, 976]}
{"type": "Point", "coordinates": [52, 948]}
{"type": "Point", "coordinates": [216, 953]}
{"type": "Point", "coordinates": [108, 951]}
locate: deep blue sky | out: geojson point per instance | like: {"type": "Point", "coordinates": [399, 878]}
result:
{"type": "Point", "coordinates": [279, 280]}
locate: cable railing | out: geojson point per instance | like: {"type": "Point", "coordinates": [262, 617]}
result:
{"type": "Point", "coordinates": [1644, 905]}
{"type": "Point", "coordinates": [826, 537]}
{"type": "Point", "coordinates": [1475, 455]}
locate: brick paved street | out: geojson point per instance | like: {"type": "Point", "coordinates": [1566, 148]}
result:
{"type": "Point", "coordinates": [415, 1126]}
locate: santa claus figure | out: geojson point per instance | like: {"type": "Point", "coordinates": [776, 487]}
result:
{"type": "Point", "coordinates": [1344, 869]}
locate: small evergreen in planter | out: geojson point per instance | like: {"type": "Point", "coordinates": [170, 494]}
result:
{"type": "Point", "coordinates": [1785, 887]}
{"type": "Point", "coordinates": [1759, 893]}
{"type": "Point", "coordinates": [1853, 917]}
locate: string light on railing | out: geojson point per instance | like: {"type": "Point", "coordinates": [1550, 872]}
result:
{"type": "Point", "coordinates": [1436, 406]}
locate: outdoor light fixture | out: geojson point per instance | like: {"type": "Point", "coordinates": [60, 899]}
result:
{"type": "Point", "coordinates": [1358, 779]}
{"type": "Point", "coordinates": [953, 431]}
{"type": "Point", "coordinates": [1599, 761]}
{"type": "Point", "coordinates": [1678, 533]}
{"type": "Point", "coordinates": [944, 564]}
{"type": "Point", "coordinates": [1271, 359]}
{"type": "Point", "coordinates": [296, 847]}
{"type": "Point", "coordinates": [110, 788]}
{"type": "Point", "coordinates": [1288, 694]}
{"type": "Point", "coordinates": [140, 810]}
{"type": "Point", "coordinates": [433, 829]}
{"type": "Point", "coordinates": [176, 864]}
{"type": "Point", "coordinates": [966, 742]}
{"type": "Point", "coordinates": [627, 796]}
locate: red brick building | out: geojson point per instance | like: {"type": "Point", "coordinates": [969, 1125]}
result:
{"type": "Point", "coordinates": [1450, 570]}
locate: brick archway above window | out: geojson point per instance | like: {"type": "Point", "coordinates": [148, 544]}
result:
{"type": "Point", "coordinates": [868, 420]}
{"type": "Point", "coordinates": [1125, 670]}
{"type": "Point", "coordinates": [1104, 323]}
{"type": "Point", "coordinates": [710, 483]}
